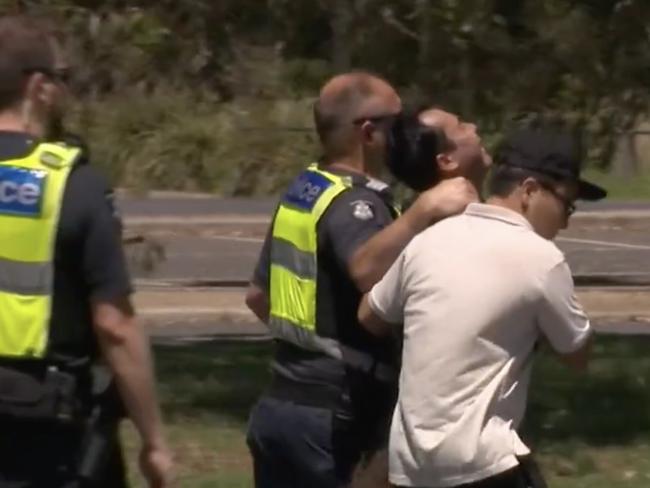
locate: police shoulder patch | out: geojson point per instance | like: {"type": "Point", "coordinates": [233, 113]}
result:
{"type": "Point", "coordinates": [362, 210]}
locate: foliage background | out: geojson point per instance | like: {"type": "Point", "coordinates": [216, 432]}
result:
{"type": "Point", "coordinates": [215, 95]}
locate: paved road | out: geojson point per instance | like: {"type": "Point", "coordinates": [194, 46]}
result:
{"type": "Point", "coordinates": [202, 205]}
{"type": "Point", "coordinates": [194, 206]}
{"type": "Point", "coordinates": [229, 252]}
{"type": "Point", "coordinates": [225, 249]}
{"type": "Point", "coordinates": [225, 239]}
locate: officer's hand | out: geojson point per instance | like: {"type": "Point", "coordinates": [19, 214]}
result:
{"type": "Point", "coordinates": [156, 466]}
{"type": "Point", "coordinates": [447, 198]}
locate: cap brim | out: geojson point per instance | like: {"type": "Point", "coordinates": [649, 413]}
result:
{"type": "Point", "coordinates": [589, 191]}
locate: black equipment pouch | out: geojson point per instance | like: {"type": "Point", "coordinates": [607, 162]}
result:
{"type": "Point", "coordinates": [99, 428]}
{"type": "Point", "coordinates": [532, 473]}
{"type": "Point", "coordinates": [44, 394]}
{"type": "Point", "coordinates": [95, 447]}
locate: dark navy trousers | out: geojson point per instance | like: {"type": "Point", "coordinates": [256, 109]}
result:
{"type": "Point", "coordinates": [297, 446]}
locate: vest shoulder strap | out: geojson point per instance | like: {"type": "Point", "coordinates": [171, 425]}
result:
{"type": "Point", "coordinates": [56, 156]}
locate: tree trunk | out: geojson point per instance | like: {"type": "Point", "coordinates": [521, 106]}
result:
{"type": "Point", "coordinates": [425, 34]}
{"type": "Point", "coordinates": [340, 21]}
{"type": "Point", "coordinates": [625, 161]}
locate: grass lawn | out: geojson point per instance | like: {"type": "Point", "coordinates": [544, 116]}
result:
{"type": "Point", "coordinates": [207, 391]}
{"type": "Point", "coordinates": [619, 188]}
{"type": "Point", "coordinates": [588, 430]}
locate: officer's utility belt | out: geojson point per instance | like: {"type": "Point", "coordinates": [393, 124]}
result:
{"type": "Point", "coordinates": [359, 360]}
{"type": "Point", "coordinates": [37, 391]}
{"type": "Point", "coordinates": [366, 363]}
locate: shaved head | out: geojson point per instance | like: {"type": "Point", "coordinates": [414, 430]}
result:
{"type": "Point", "coordinates": [347, 99]}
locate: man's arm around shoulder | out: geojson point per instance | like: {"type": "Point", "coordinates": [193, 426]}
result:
{"type": "Point", "coordinates": [373, 258]}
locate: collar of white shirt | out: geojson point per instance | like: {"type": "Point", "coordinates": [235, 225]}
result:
{"type": "Point", "coordinates": [495, 212]}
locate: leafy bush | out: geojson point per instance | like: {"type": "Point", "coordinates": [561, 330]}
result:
{"type": "Point", "coordinates": [174, 139]}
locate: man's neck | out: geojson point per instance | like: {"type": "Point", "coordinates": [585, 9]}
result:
{"type": "Point", "coordinates": [348, 163]}
{"type": "Point", "coordinates": [10, 121]}
{"type": "Point", "coordinates": [505, 203]}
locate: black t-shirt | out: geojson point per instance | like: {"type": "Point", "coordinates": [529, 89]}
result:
{"type": "Point", "coordinates": [89, 262]}
{"type": "Point", "coordinates": [351, 219]}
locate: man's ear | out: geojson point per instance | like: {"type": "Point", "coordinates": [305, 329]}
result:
{"type": "Point", "coordinates": [446, 164]}
{"type": "Point", "coordinates": [528, 187]}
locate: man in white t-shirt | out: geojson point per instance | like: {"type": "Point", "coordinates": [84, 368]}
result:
{"type": "Point", "coordinates": [475, 293]}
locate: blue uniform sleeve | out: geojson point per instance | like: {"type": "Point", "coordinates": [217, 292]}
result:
{"type": "Point", "coordinates": [89, 205]}
{"type": "Point", "coordinates": [351, 219]}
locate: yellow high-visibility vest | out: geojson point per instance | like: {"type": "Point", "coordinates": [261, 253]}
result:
{"type": "Point", "coordinates": [293, 273]}
{"type": "Point", "coordinates": [31, 193]}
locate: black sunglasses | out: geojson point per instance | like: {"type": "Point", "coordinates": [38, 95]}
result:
{"type": "Point", "coordinates": [376, 118]}
{"type": "Point", "coordinates": [569, 206]}
{"type": "Point", "coordinates": [62, 75]}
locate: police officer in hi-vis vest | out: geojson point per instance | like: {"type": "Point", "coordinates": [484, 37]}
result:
{"type": "Point", "coordinates": [335, 233]}
{"type": "Point", "coordinates": [64, 292]}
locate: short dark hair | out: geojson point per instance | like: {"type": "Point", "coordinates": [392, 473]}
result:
{"type": "Point", "coordinates": [504, 179]}
{"type": "Point", "coordinates": [334, 117]}
{"type": "Point", "coordinates": [412, 151]}
{"type": "Point", "coordinates": [27, 46]}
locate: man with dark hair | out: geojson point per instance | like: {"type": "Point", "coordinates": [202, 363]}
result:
{"type": "Point", "coordinates": [475, 293]}
{"type": "Point", "coordinates": [64, 292]}
{"type": "Point", "coordinates": [433, 145]}
{"type": "Point", "coordinates": [428, 147]}
{"type": "Point", "coordinates": [334, 234]}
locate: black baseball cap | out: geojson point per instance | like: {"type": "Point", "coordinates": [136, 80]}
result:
{"type": "Point", "coordinates": [548, 152]}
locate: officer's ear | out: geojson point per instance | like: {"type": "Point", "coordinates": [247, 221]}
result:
{"type": "Point", "coordinates": [368, 131]}
{"type": "Point", "coordinates": [36, 88]}
{"type": "Point", "coordinates": [32, 92]}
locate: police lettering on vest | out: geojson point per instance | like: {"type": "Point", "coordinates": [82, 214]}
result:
{"type": "Point", "coordinates": [21, 191]}
{"type": "Point", "coordinates": [307, 189]}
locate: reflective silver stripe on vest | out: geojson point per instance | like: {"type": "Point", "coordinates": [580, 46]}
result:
{"type": "Point", "coordinates": [360, 360]}
{"type": "Point", "coordinates": [24, 278]}
{"type": "Point", "coordinates": [288, 256]}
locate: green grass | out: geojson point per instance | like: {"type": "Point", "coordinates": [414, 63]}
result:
{"type": "Point", "coordinates": [588, 430]}
{"type": "Point", "coordinates": [207, 391]}
{"type": "Point", "coordinates": [593, 430]}
{"type": "Point", "coordinates": [621, 188]}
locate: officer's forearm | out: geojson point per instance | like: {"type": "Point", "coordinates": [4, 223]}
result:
{"type": "Point", "coordinates": [258, 302]}
{"type": "Point", "coordinates": [371, 261]}
{"type": "Point", "coordinates": [126, 351]}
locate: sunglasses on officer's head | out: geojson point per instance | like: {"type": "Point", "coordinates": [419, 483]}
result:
{"type": "Point", "coordinates": [62, 75]}
{"type": "Point", "coordinates": [375, 119]}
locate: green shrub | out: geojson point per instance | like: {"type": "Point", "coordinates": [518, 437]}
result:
{"type": "Point", "coordinates": [174, 139]}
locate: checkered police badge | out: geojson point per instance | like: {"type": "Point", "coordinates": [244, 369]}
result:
{"type": "Point", "coordinates": [362, 210]}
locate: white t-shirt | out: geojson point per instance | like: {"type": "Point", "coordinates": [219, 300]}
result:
{"type": "Point", "coordinates": [475, 292]}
